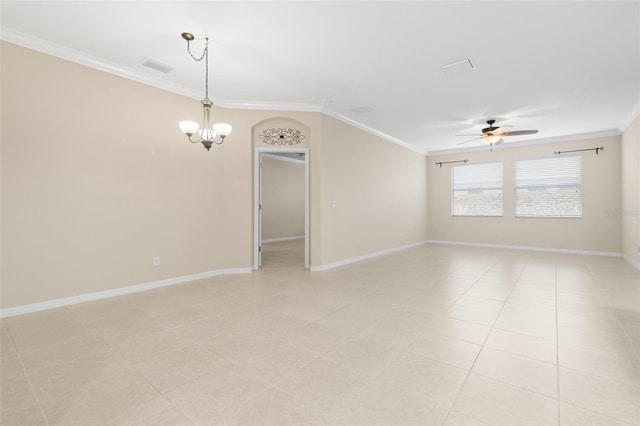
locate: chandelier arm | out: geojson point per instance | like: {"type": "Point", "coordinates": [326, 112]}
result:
{"type": "Point", "coordinates": [196, 141]}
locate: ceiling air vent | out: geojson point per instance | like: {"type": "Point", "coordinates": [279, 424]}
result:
{"type": "Point", "coordinates": [459, 66]}
{"type": "Point", "coordinates": [362, 109]}
{"type": "Point", "coordinates": [155, 65]}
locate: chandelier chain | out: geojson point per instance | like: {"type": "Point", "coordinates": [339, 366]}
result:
{"type": "Point", "coordinates": [205, 54]}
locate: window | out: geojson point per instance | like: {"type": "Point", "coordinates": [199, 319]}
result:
{"type": "Point", "coordinates": [549, 187]}
{"type": "Point", "coordinates": [476, 190]}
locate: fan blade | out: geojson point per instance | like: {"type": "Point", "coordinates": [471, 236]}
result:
{"type": "Point", "coordinates": [520, 132]}
{"type": "Point", "coordinates": [469, 134]}
{"type": "Point", "coordinates": [470, 140]}
{"type": "Point", "coordinates": [501, 130]}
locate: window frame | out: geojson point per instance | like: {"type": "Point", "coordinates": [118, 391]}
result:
{"type": "Point", "coordinates": [452, 189]}
{"type": "Point", "coordinates": [515, 187]}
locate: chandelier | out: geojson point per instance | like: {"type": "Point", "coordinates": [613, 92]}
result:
{"type": "Point", "coordinates": [209, 133]}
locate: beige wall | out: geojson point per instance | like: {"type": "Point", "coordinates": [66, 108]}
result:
{"type": "Point", "coordinates": [97, 179]}
{"type": "Point", "coordinates": [94, 183]}
{"type": "Point", "coordinates": [631, 192]}
{"type": "Point", "coordinates": [282, 199]}
{"type": "Point", "coordinates": [380, 191]}
{"type": "Point", "coordinates": [598, 230]}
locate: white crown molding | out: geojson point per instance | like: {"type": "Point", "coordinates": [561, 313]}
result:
{"type": "Point", "coordinates": [275, 106]}
{"type": "Point", "coordinates": [557, 139]}
{"type": "Point", "coordinates": [90, 297]}
{"type": "Point", "coordinates": [270, 106]}
{"type": "Point", "coordinates": [635, 112]}
{"type": "Point", "coordinates": [373, 131]}
{"type": "Point", "coordinates": [364, 257]}
{"type": "Point", "coordinates": [82, 58]}
{"type": "Point", "coordinates": [528, 248]}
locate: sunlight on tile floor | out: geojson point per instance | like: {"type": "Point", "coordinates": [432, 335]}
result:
{"type": "Point", "coordinates": [434, 335]}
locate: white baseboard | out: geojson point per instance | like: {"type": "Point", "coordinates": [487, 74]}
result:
{"type": "Point", "coordinates": [90, 297]}
{"type": "Point", "coordinates": [273, 240]}
{"type": "Point", "coordinates": [364, 257]}
{"type": "Point", "coordinates": [528, 248]}
{"type": "Point", "coordinates": [631, 262]}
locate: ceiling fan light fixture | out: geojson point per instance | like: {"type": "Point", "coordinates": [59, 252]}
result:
{"type": "Point", "coordinates": [493, 135]}
{"type": "Point", "coordinates": [491, 140]}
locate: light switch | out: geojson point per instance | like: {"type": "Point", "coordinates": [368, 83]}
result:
{"type": "Point", "coordinates": [333, 204]}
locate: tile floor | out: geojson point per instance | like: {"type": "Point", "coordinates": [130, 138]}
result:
{"type": "Point", "coordinates": [283, 254]}
{"type": "Point", "coordinates": [435, 335]}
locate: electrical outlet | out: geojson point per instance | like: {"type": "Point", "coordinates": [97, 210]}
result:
{"type": "Point", "coordinates": [156, 261]}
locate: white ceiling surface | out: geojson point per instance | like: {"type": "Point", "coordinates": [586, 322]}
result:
{"type": "Point", "coordinates": [565, 68]}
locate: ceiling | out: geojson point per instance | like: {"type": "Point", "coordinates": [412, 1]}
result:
{"type": "Point", "coordinates": [566, 68]}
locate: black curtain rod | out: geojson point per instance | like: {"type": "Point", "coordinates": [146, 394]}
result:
{"type": "Point", "coordinates": [440, 163]}
{"type": "Point", "coordinates": [601, 148]}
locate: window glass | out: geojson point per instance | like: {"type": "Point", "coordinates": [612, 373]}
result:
{"type": "Point", "coordinates": [549, 187]}
{"type": "Point", "coordinates": [477, 190]}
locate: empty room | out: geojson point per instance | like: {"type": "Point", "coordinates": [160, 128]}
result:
{"type": "Point", "coordinates": [330, 213]}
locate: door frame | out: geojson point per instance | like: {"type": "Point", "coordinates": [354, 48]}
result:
{"type": "Point", "coordinates": [257, 188]}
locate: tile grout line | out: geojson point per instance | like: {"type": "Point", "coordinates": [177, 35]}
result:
{"type": "Point", "coordinates": [79, 317]}
{"type": "Point", "coordinates": [613, 419]}
{"type": "Point", "coordinates": [27, 376]}
{"type": "Point", "coordinates": [111, 348]}
{"type": "Point", "coordinates": [515, 386]}
{"type": "Point", "coordinates": [485, 339]}
{"type": "Point", "coordinates": [608, 308]}
{"type": "Point", "coordinates": [615, 317]}
{"type": "Point", "coordinates": [441, 315]}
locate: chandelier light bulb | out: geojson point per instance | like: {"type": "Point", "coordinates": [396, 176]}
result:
{"type": "Point", "coordinates": [491, 139]}
{"type": "Point", "coordinates": [189, 128]}
{"type": "Point", "coordinates": [222, 129]}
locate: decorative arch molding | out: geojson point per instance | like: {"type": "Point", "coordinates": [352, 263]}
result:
{"type": "Point", "coordinates": [280, 132]}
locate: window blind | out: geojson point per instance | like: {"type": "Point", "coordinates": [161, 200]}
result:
{"type": "Point", "coordinates": [476, 190]}
{"type": "Point", "coordinates": [549, 187]}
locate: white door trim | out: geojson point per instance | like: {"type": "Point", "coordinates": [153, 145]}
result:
{"type": "Point", "coordinates": [257, 182]}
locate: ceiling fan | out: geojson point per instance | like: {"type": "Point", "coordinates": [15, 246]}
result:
{"type": "Point", "coordinates": [493, 135]}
